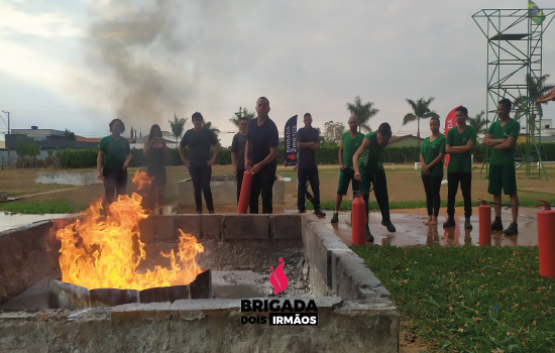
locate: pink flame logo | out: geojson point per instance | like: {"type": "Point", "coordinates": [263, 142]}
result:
{"type": "Point", "coordinates": [278, 279]}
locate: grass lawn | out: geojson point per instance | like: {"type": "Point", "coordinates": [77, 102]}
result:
{"type": "Point", "coordinates": [469, 298]}
{"type": "Point", "coordinates": [404, 187]}
{"type": "Point", "coordinates": [42, 207]}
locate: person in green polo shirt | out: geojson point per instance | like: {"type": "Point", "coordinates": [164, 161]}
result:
{"type": "Point", "coordinates": [501, 136]}
{"type": "Point", "coordinates": [350, 142]}
{"type": "Point", "coordinates": [113, 160]}
{"type": "Point", "coordinates": [431, 158]}
{"type": "Point", "coordinates": [460, 140]}
{"type": "Point", "coordinates": [368, 166]}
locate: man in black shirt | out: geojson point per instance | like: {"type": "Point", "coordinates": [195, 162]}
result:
{"type": "Point", "coordinates": [238, 153]}
{"type": "Point", "coordinates": [199, 141]}
{"type": "Point", "coordinates": [260, 156]}
{"type": "Point", "coordinates": [308, 141]}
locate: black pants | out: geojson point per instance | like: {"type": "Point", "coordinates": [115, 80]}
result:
{"type": "Point", "coordinates": [201, 175]}
{"type": "Point", "coordinates": [466, 180]}
{"type": "Point", "coordinates": [312, 175]}
{"type": "Point", "coordinates": [115, 181]}
{"type": "Point", "coordinates": [156, 192]}
{"type": "Point", "coordinates": [239, 175]}
{"type": "Point", "coordinates": [432, 185]}
{"type": "Point", "coordinates": [262, 183]}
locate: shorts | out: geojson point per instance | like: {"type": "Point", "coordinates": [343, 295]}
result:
{"type": "Point", "coordinates": [502, 177]}
{"type": "Point", "coordinates": [345, 177]}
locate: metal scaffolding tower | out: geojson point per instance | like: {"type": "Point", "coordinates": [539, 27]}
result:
{"type": "Point", "coordinates": [514, 50]}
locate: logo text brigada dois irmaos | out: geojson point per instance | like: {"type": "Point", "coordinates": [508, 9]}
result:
{"type": "Point", "coordinates": [282, 312]}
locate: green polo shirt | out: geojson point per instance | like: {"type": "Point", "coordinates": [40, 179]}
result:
{"type": "Point", "coordinates": [115, 151]}
{"type": "Point", "coordinates": [372, 159]}
{"type": "Point", "coordinates": [430, 151]}
{"type": "Point", "coordinates": [350, 146]}
{"type": "Point", "coordinates": [461, 162]}
{"type": "Point", "coordinates": [510, 129]}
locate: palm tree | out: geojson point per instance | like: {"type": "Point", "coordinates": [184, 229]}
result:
{"type": "Point", "coordinates": [536, 89]}
{"type": "Point", "coordinates": [177, 127]}
{"type": "Point", "coordinates": [363, 112]}
{"type": "Point", "coordinates": [215, 130]}
{"type": "Point", "coordinates": [243, 112]}
{"type": "Point", "coordinates": [479, 122]}
{"type": "Point", "coordinates": [421, 110]}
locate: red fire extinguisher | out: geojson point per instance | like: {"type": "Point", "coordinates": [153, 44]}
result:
{"type": "Point", "coordinates": [546, 239]}
{"type": "Point", "coordinates": [245, 192]}
{"type": "Point", "coordinates": [359, 220]}
{"type": "Point", "coordinates": [484, 214]}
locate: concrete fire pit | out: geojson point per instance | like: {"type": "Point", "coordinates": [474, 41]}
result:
{"type": "Point", "coordinates": [224, 191]}
{"type": "Point", "coordinates": [355, 312]}
{"type": "Point", "coordinates": [67, 178]}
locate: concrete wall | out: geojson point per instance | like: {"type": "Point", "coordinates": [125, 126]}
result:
{"type": "Point", "coordinates": [224, 192]}
{"type": "Point", "coordinates": [67, 178]}
{"type": "Point", "coordinates": [356, 313]}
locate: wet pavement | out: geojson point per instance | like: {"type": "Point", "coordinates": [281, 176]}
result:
{"type": "Point", "coordinates": [412, 231]}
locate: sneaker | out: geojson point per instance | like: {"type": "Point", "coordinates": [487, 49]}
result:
{"type": "Point", "coordinates": [512, 230]}
{"type": "Point", "coordinates": [369, 236]}
{"type": "Point", "coordinates": [320, 214]}
{"type": "Point", "coordinates": [199, 211]}
{"type": "Point", "coordinates": [467, 224]}
{"type": "Point", "coordinates": [335, 218]}
{"type": "Point", "coordinates": [450, 222]}
{"type": "Point", "coordinates": [211, 212]}
{"type": "Point", "coordinates": [497, 225]}
{"type": "Point", "coordinates": [302, 211]}
{"type": "Point", "coordinates": [390, 227]}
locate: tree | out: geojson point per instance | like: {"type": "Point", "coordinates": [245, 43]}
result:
{"type": "Point", "coordinates": [215, 130]}
{"type": "Point", "coordinates": [21, 150]}
{"type": "Point", "coordinates": [363, 112]}
{"type": "Point", "coordinates": [421, 110]}
{"type": "Point", "coordinates": [131, 132]}
{"type": "Point", "coordinates": [68, 135]}
{"type": "Point", "coordinates": [536, 89]}
{"type": "Point", "coordinates": [479, 122]}
{"type": "Point", "coordinates": [177, 127]}
{"type": "Point", "coordinates": [333, 132]}
{"type": "Point", "coordinates": [243, 112]}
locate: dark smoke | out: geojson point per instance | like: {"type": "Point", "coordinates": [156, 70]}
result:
{"type": "Point", "coordinates": [134, 47]}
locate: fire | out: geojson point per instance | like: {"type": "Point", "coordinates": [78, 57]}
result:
{"type": "Point", "coordinates": [98, 251]}
{"type": "Point", "coordinates": [142, 180]}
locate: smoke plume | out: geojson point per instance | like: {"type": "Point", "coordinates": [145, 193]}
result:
{"type": "Point", "coordinates": [133, 49]}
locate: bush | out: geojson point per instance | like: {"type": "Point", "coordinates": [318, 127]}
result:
{"type": "Point", "coordinates": [327, 154]}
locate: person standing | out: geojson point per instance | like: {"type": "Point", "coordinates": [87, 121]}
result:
{"type": "Point", "coordinates": [261, 156]}
{"type": "Point", "coordinates": [368, 166]}
{"type": "Point", "coordinates": [459, 143]}
{"type": "Point", "coordinates": [114, 156]}
{"type": "Point", "coordinates": [308, 141]}
{"type": "Point", "coordinates": [431, 158]}
{"type": "Point", "coordinates": [350, 142]}
{"type": "Point", "coordinates": [200, 164]}
{"type": "Point", "coordinates": [238, 153]}
{"type": "Point", "coordinates": [501, 136]}
{"type": "Point", "coordinates": [156, 152]}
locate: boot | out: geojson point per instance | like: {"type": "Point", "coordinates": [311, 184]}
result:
{"type": "Point", "coordinates": [497, 225]}
{"type": "Point", "coordinates": [512, 230]}
{"type": "Point", "coordinates": [467, 224]}
{"type": "Point", "coordinates": [335, 218]}
{"type": "Point", "coordinates": [450, 222]}
{"type": "Point", "coordinates": [369, 236]}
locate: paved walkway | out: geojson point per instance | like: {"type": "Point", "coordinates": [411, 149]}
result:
{"type": "Point", "coordinates": [412, 231]}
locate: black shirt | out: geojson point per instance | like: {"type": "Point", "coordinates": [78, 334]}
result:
{"type": "Point", "coordinates": [238, 147]}
{"type": "Point", "coordinates": [307, 156]}
{"type": "Point", "coordinates": [261, 138]}
{"type": "Point", "coordinates": [199, 145]}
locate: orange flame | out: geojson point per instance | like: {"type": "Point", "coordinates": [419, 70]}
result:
{"type": "Point", "coordinates": [142, 180]}
{"type": "Point", "coordinates": [97, 252]}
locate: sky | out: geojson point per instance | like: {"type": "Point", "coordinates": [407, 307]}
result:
{"type": "Point", "coordinates": [77, 64]}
